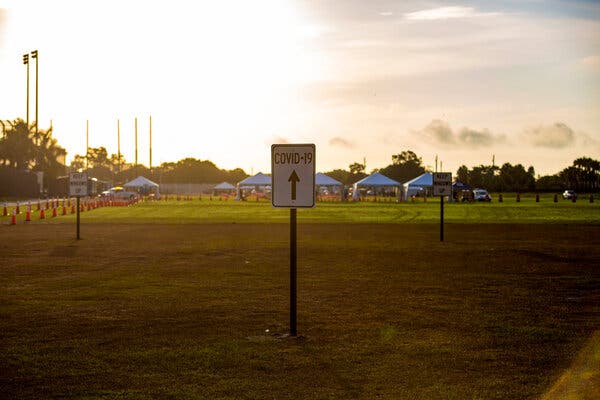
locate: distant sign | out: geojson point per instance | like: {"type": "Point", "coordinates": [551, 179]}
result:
{"type": "Point", "coordinates": [78, 183]}
{"type": "Point", "coordinates": [442, 183]}
{"type": "Point", "coordinates": [293, 175]}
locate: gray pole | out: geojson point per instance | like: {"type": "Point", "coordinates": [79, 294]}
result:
{"type": "Point", "coordinates": [293, 274]}
{"type": "Point", "coordinates": [26, 62]}
{"type": "Point", "coordinates": [119, 144]}
{"type": "Point", "coordinates": [34, 54]}
{"type": "Point", "coordinates": [87, 142]}
{"type": "Point", "coordinates": [151, 143]}
{"type": "Point", "coordinates": [136, 158]}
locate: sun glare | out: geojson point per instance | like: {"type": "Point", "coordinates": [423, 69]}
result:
{"type": "Point", "coordinates": [230, 67]}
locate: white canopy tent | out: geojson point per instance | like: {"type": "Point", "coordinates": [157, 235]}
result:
{"type": "Point", "coordinates": [421, 184]}
{"type": "Point", "coordinates": [375, 180]}
{"type": "Point", "coordinates": [143, 186]}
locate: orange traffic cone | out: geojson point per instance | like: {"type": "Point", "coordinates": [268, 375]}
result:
{"type": "Point", "coordinates": [42, 214]}
{"type": "Point", "coordinates": [72, 208]}
{"type": "Point", "coordinates": [5, 213]}
{"type": "Point", "coordinates": [13, 218]}
{"type": "Point", "coordinates": [18, 209]}
{"type": "Point", "coordinates": [64, 210]}
{"type": "Point", "coordinates": [39, 206]}
{"type": "Point", "coordinates": [53, 212]}
{"type": "Point", "coordinates": [28, 215]}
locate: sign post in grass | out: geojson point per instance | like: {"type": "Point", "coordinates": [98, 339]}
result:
{"type": "Point", "coordinates": [293, 186]}
{"type": "Point", "coordinates": [78, 188]}
{"type": "Point", "coordinates": [442, 186]}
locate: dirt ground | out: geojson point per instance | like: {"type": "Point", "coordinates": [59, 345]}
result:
{"type": "Point", "coordinates": [201, 310]}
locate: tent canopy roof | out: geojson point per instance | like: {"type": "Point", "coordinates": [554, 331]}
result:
{"type": "Point", "coordinates": [423, 180]}
{"type": "Point", "coordinates": [458, 185]}
{"type": "Point", "coordinates": [224, 186]}
{"type": "Point", "coordinates": [377, 179]}
{"type": "Point", "coordinates": [324, 180]}
{"type": "Point", "coordinates": [258, 179]}
{"type": "Point", "coordinates": [140, 181]}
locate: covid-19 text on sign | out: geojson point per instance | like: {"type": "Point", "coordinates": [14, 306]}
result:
{"type": "Point", "coordinates": [293, 175]}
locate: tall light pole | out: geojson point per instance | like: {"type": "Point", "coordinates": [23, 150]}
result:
{"type": "Point", "coordinates": [151, 144]}
{"type": "Point", "coordinates": [87, 142]}
{"type": "Point", "coordinates": [34, 54]}
{"type": "Point", "coordinates": [136, 158]}
{"type": "Point", "coordinates": [26, 62]}
{"type": "Point", "coordinates": [119, 144]}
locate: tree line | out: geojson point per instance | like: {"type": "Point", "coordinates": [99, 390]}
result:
{"type": "Point", "coordinates": [582, 176]}
{"type": "Point", "coordinates": [24, 149]}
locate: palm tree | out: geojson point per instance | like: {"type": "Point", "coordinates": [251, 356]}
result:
{"type": "Point", "coordinates": [16, 147]}
{"type": "Point", "coordinates": [50, 157]}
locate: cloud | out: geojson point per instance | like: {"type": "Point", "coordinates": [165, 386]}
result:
{"type": "Point", "coordinates": [441, 13]}
{"type": "Point", "coordinates": [483, 138]}
{"type": "Point", "coordinates": [555, 136]}
{"type": "Point", "coordinates": [439, 132]}
{"type": "Point", "coordinates": [341, 142]}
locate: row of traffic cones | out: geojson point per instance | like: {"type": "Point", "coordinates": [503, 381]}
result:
{"type": "Point", "coordinates": [84, 206]}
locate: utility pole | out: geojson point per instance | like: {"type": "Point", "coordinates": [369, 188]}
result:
{"type": "Point", "coordinates": [119, 144]}
{"type": "Point", "coordinates": [26, 62]}
{"type": "Point", "coordinates": [436, 160]}
{"type": "Point", "coordinates": [151, 143]}
{"type": "Point", "coordinates": [136, 147]}
{"type": "Point", "coordinates": [87, 142]}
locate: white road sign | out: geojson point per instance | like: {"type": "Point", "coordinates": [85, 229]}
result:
{"type": "Point", "coordinates": [293, 175]}
{"type": "Point", "coordinates": [442, 183]}
{"type": "Point", "coordinates": [78, 184]}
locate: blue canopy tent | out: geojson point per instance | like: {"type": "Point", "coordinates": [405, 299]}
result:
{"type": "Point", "coordinates": [327, 185]}
{"type": "Point", "coordinates": [458, 186]}
{"type": "Point", "coordinates": [257, 182]}
{"type": "Point", "coordinates": [458, 189]}
{"type": "Point", "coordinates": [223, 187]}
{"type": "Point", "coordinates": [375, 180]}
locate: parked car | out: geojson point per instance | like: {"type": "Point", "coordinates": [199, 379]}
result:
{"type": "Point", "coordinates": [481, 195]}
{"type": "Point", "coordinates": [118, 192]}
{"type": "Point", "coordinates": [569, 195]}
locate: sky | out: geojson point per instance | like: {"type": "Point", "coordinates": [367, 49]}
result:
{"type": "Point", "coordinates": [466, 81]}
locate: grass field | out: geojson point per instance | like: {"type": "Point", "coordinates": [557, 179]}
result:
{"type": "Point", "coordinates": [219, 211]}
{"type": "Point", "coordinates": [182, 301]}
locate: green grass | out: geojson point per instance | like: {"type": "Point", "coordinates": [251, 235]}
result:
{"type": "Point", "coordinates": [180, 311]}
{"type": "Point", "coordinates": [181, 212]}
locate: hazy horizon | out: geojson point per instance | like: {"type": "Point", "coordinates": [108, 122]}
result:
{"type": "Point", "coordinates": [465, 80]}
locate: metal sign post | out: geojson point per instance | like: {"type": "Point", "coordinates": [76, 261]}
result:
{"type": "Point", "coordinates": [293, 186]}
{"type": "Point", "coordinates": [78, 185]}
{"type": "Point", "coordinates": [78, 218]}
{"type": "Point", "coordinates": [442, 186]}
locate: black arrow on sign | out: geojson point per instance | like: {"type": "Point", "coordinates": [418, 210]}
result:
{"type": "Point", "coordinates": [294, 179]}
